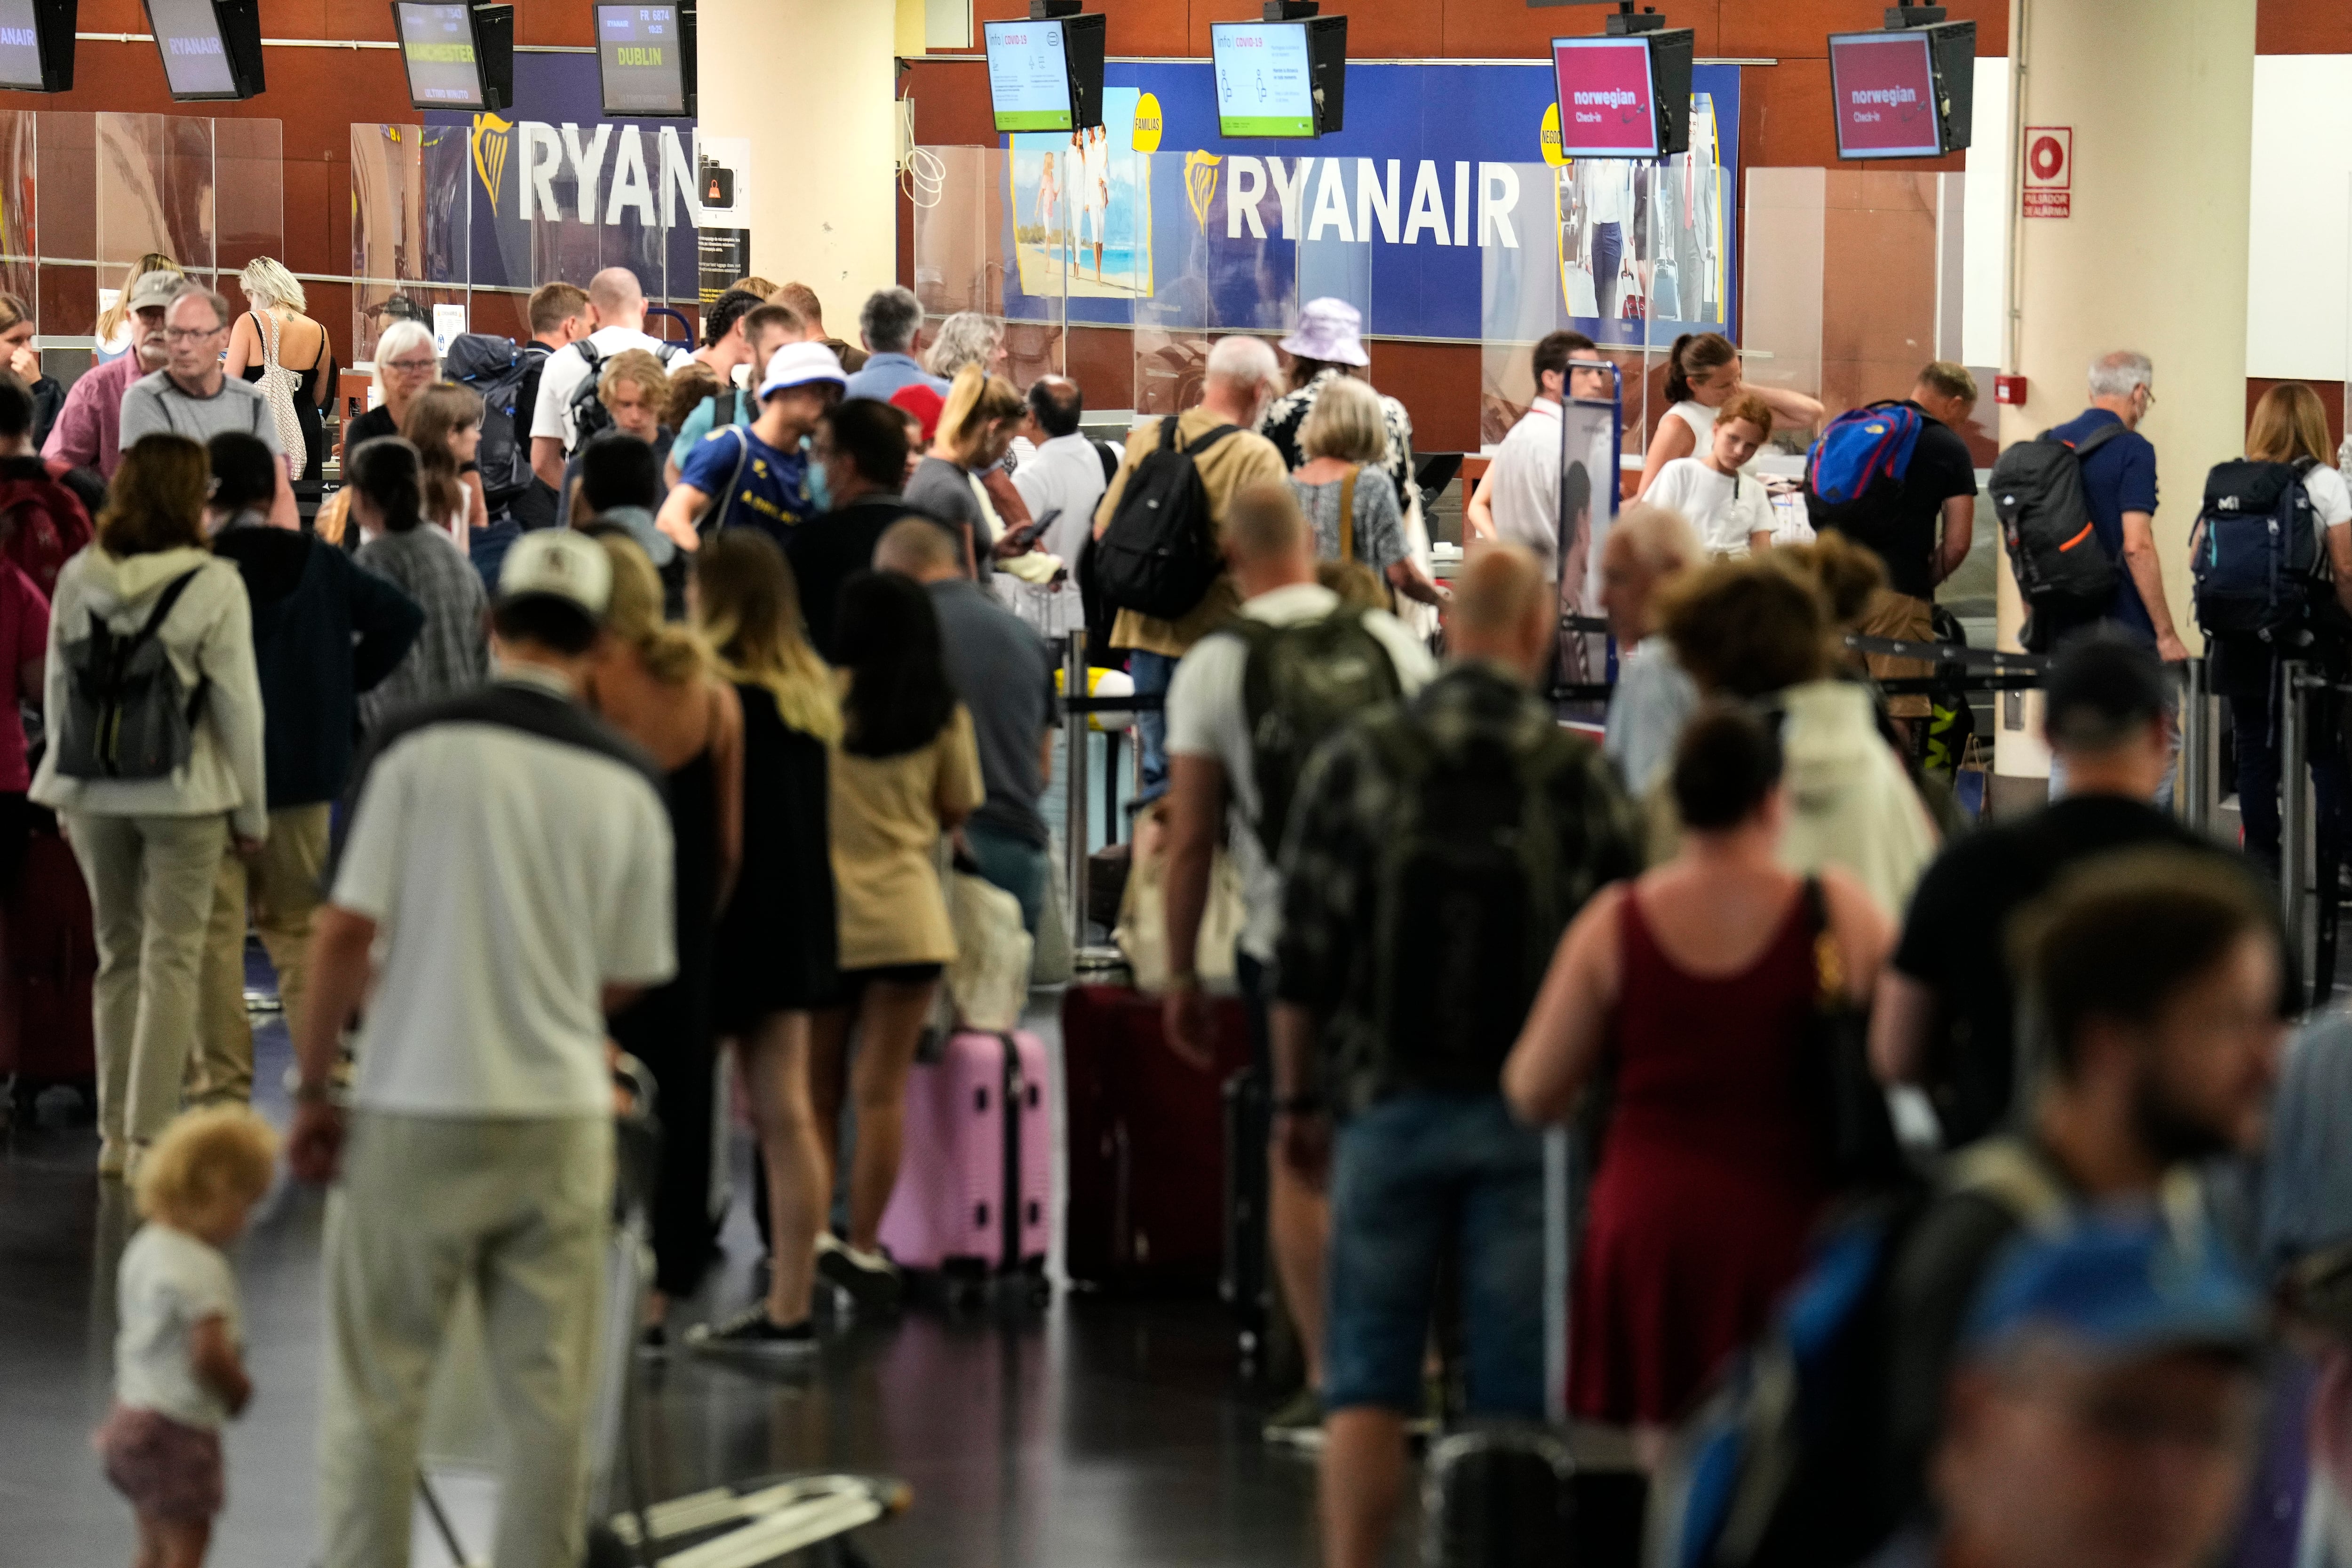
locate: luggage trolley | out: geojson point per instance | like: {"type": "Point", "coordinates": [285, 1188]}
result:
{"type": "Point", "coordinates": [743, 1524]}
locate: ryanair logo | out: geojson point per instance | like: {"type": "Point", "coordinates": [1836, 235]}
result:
{"type": "Point", "coordinates": [1201, 184]}
{"type": "Point", "coordinates": [493, 140]}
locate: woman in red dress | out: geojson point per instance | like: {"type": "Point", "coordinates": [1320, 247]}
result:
{"type": "Point", "coordinates": [1699, 981]}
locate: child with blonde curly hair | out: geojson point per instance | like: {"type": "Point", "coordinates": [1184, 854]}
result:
{"type": "Point", "coordinates": [178, 1369]}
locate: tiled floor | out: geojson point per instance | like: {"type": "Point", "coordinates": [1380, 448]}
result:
{"type": "Point", "coordinates": [1094, 1432]}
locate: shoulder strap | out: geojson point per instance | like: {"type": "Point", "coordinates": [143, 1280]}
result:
{"type": "Point", "coordinates": [714, 514]}
{"type": "Point", "coordinates": [1168, 433]}
{"type": "Point", "coordinates": [2010, 1174]}
{"type": "Point", "coordinates": [1347, 515]}
{"type": "Point", "coordinates": [1209, 438]}
{"type": "Point", "coordinates": [163, 602]}
{"type": "Point", "coordinates": [2096, 439]}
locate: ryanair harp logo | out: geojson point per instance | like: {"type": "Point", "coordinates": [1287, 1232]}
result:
{"type": "Point", "coordinates": [1201, 184]}
{"type": "Point", "coordinates": [493, 137]}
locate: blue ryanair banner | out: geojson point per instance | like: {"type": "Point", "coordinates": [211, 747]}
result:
{"type": "Point", "coordinates": [1443, 211]}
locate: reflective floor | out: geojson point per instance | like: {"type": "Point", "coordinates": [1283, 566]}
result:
{"type": "Point", "coordinates": [1092, 1432]}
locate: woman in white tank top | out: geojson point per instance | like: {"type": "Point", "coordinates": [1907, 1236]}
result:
{"type": "Point", "coordinates": [1702, 375]}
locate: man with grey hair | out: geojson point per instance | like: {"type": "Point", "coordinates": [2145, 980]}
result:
{"type": "Point", "coordinates": [617, 321]}
{"type": "Point", "coordinates": [1220, 434]}
{"type": "Point", "coordinates": [1646, 548]}
{"type": "Point", "coordinates": [2119, 488]}
{"type": "Point", "coordinates": [887, 324]}
{"type": "Point", "coordinates": [192, 396]}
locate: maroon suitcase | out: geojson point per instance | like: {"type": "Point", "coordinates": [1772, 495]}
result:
{"type": "Point", "coordinates": [48, 959]}
{"type": "Point", "coordinates": [1147, 1140]}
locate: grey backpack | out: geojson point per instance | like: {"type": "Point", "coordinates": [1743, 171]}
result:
{"type": "Point", "coordinates": [127, 715]}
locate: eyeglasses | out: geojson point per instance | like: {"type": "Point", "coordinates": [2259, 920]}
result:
{"type": "Point", "coordinates": [190, 334]}
{"type": "Point", "coordinates": [409, 367]}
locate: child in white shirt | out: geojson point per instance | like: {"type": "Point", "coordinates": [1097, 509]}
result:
{"type": "Point", "coordinates": [179, 1372]}
{"type": "Point", "coordinates": [1730, 509]}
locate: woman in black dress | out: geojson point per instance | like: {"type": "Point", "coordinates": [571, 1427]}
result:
{"type": "Point", "coordinates": [654, 681]}
{"type": "Point", "coordinates": [777, 940]}
{"type": "Point", "coordinates": [275, 338]}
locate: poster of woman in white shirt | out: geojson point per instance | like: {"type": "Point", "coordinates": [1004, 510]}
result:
{"type": "Point", "coordinates": [1643, 242]}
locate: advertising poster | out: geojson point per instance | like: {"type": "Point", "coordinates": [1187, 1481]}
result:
{"type": "Point", "coordinates": [1588, 501]}
{"type": "Point", "coordinates": [1443, 174]}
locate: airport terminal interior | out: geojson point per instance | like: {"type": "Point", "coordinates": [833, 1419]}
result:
{"type": "Point", "coordinates": [1358, 783]}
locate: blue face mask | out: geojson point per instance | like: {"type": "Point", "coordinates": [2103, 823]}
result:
{"type": "Point", "coordinates": [820, 490]}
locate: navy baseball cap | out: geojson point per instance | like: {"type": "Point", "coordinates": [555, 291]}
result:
{"type": "Point", "coordinates": [2119, 1290]}
{"type": "Point", "coordinates": [2102, 686]}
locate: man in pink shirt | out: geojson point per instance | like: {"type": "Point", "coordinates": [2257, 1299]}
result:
{"type": "Point", "coordinates": [87, 433]}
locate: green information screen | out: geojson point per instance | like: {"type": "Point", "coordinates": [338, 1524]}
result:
{"type": "Point", "coordinates": [1265, 86]}
{"type": "Point", "coordinates": [1028, 76]}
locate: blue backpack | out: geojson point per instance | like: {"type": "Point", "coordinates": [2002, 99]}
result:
{"type": "Point", "coordinates": [1783, 1466]}
{"type": "Point", "coordinates": [2253, 554]}
{"type": "Point", "coordinates": [1861, 447]}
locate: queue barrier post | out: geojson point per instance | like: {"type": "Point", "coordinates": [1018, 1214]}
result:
{"type": "Point", "coordinates": [2295, 807]}
{"type": "Point", "coordinates": [1074, 778]}
{"type": "Point", "coordinates": [2195, 795]}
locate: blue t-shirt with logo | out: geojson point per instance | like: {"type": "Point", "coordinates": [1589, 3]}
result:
{"type": "Point", "coordinates": [2119, 478]}
{"type": "Point", "coordinates": [772, 493]}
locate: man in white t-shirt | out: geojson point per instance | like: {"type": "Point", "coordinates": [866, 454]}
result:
{"type": "Point", "coordinates": [1518, 498]}
{"type": "Point", "coordinates": [1270, 550]}
{"type": "Point", "coordinates": [616, 319]}
{"type": "Point", "coordinates": [506, 883]}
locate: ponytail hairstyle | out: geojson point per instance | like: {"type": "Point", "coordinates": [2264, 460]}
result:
{"type": "Point", "coordinates": [440, 411]}
{"type": "Point", "coordinates": [672, 653]}
{"type": "Point", "coordinates": [747, 609]}
{"type": "Point", "coordinates": [1695, 354]}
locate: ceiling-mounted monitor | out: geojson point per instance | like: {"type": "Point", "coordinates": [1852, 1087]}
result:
{"type": "Point", "coordinates": [1624, 95]}
{"type": "Point", "coordinates": [1280, 79]}
{"type": "Point", "coordinates": [644, 57]}
{"type": "Point", "coordinates": [458, 54]}
{"type": "Point", "coordinates": [1904, 92]}
{"type": "Point", "coordinates": [1046, 73]}
{"type": "Point", "coordinates": [36, 45]}
{"type": "Point", "coordinates": [211, 49]}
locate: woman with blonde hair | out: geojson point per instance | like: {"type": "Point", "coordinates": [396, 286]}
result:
{"type": "Point", "coordinates": [150, 831]}
{"type": "Point", "coordinates": [116, 327]}
{"type": "Point", "coordinates": [265, 346]}
{"type": "Point", "coordinates": [777, 943]}
{"type": "Point", "coordinates": [1344, 490]}
{"type": "Point", "coordinates": [445, 425]}
{"type": "Point", "coordinates": [976, 428]}
{"type": "Point", "coordinates": [2286, 443]}
{"type": "Point", "coordinates": [18, 356]}
{"type": "Point", "coordinates": [657, 683]}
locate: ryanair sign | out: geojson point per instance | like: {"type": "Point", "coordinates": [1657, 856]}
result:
{"type": "Point", "coordinates": [606, 171]}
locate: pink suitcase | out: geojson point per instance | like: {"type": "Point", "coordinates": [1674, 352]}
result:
{"type": "Point", "coordinates": [975, 1185]}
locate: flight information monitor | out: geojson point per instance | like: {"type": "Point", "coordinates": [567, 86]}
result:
{"type": "Point", "coordinates": [646, 56]}
{"type": "Point", "coordinates": [1029, 83]}
{"type": "Point", "coordinates": [1884, 85]}
{"type": "Point", "coordinates": [20, 48]}
{"type": "Point", "coordinates": [1608, 102]}
{"type": "Point", "coordinates": [1266, 81]}
{"type": "Point", "coordinates": [436, 44]}
{"type": "Point", "coordinates": [194, 41]}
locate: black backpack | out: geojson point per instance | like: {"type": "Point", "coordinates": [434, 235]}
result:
{"type": "Point", "coordinates": [2063, 571]}
{"type": "Point", "coordinates": [1159, 555]}
{"type": "Point", "coordinates": [1299, 684]}
{"type": "Point", "coordinates": [126, 714]}
{"type": "Point", "coordinates": [2253, 553]}
{"type": "Point", "coordinates": [590, 417]}
{"type": "Point", "coordinates": [1470, 899]}
{"type": "Point", "coordinates": [496, 369]}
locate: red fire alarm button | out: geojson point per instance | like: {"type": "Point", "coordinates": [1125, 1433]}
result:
{"type": "Point", "coordinates": [2009, 391]}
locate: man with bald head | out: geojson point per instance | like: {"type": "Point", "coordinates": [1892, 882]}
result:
{"type": "Point", "coordinates": [1215, 793]}
{"type": "Point", "coordinates": [1437, 853]}
{"type": "Point", "coordinates": [1005, 676]}
{"type": "Point", "coordinates": [616, 321]}
{"type": "Point", "coordinates": [1647, 547]}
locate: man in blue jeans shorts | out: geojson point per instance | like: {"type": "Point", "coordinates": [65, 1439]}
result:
{"type": "Point", "coordinates": [1436, 852]}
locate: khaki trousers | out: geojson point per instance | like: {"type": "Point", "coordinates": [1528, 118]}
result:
{"type": "Point", "coordinates": [520, 1207]}
{"type": "Point", "coordinates": [150, 893]}
{"type": "Point", "coordinates": [284, 888]}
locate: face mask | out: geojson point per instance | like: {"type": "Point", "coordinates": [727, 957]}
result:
{"type": "Point", "coordinates": [820, 489]}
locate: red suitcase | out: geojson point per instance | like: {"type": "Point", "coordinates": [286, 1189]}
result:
{"type": "Point", "coordinates": [1147, 1141]}
{"type": "Point", "coordinates": [48, 959]}
{"type": "Point", "coordinates": [974, 1196]}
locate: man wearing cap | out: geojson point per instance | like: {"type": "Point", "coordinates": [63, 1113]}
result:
{"type": "Point", "coordinates": [2153, 976]}
{"type": "Point", "coordinates": [87, 433]}
{"type": "Point", "coordinates": [1947, 1006]}
{"type": "Point", "coordinates": [2103, 1410]}
{"type": "Point", "coordinates": [504, 886]}
{"type": "Point", "coordinates": [756, 476]}
{"type": "Point", "coordinates": [1330, 342]}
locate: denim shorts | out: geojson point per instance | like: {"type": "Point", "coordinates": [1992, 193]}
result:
{"type": "Point", "coordinates": [1411, 1177]}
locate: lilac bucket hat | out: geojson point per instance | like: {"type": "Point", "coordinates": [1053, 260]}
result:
{"type": "Point", "coordinates": [1329, 330]}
